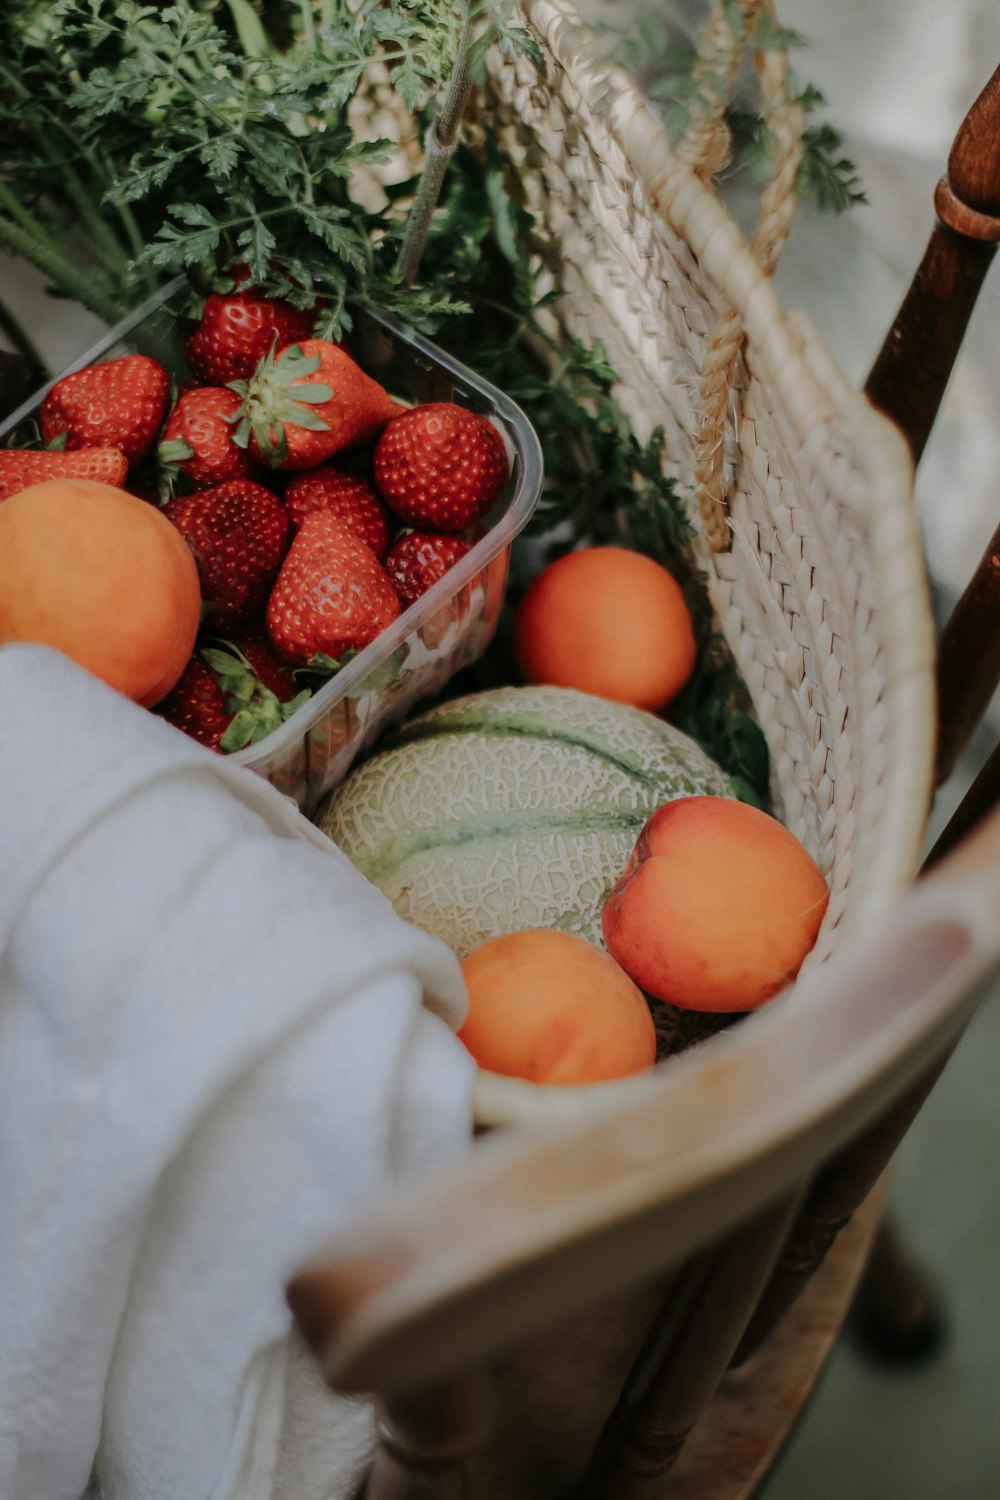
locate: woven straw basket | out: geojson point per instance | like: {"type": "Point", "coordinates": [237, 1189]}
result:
{"type": "Point", "coordinates": [803, 492]}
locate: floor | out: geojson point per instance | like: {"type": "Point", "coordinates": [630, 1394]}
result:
{"type": "Point", "coordinates": [929, 1432]}
{"type": "Point", "coordinates": [898, 76]}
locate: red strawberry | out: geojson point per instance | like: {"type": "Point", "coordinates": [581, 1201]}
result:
{"type": "Point", "coordinates": [419, 559]}
{"type": "Point", "coordinates": [238, 533]}
{"type": "Point", "coordinates": [220, 702]}
{"type": "Point", "coordinates": [253, 642]}
{"type": "Point", "coordinates": [198, 438]}
{"type": "Point", "coordinates": [120, 404]}
{"type": "Point", "coordinates": [306, 403]}
{"type": "Point", "coordinates": [345, 496]}
{"type": "Point", "coordinates": [20, 467]}
{"type": "Point", "coordinates": [237, 329]}
{"type": "Point", "coordinates": [440, 465]}
{"type": "Point", "coordinates": [332, 594]}
{"type": "Point", "coordinates": [196, 705]}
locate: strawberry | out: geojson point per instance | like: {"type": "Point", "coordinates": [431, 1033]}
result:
{"type": "Point", "coordinates": [418, 559]}
{"type": "Point", "coordinates": [252, 642]}
{"type": "Point", "coordinates": [238, 532]}
{"type": "Point", "coordinates": [332, 594]}
{"type": "Point", "coordinates": [198, 438]}
{"type": "Point", "coordinates": [20, 467]}
{"type": "Point", "coordinates": [196, 705]}
{"type": "Point", "coordinates": [220, 702]}
{"type": "Point", "coordinates": [237, 329]}
{"type": "Point", "coordinates": [119, 404]}
{"type": "Point", "coordinates": [345, 496]}
{"type": "Point", "coordinates": [440, 466]}
{"type": "Point", "coordinates": [307, 402]}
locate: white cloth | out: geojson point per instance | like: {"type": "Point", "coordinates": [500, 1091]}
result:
{"type": "Point", "coordinates": [218, 1043]}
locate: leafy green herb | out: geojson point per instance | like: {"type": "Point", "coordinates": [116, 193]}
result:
{"type": "Point", "coordinates": [202, 134]}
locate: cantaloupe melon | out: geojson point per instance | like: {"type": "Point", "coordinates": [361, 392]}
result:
{"type": "Point", "coordinates": [512, 809]}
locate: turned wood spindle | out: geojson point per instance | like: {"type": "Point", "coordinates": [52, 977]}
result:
{"type": "Point", "coordinates": [843, 1184]}
{"type": "Point", "coordinates": [835, 1196]}
{"type": "Point", "coordinates": [911, 371]}
{"type": "Point", "coordinates": [908, 380]}
{"type": "Point", "coordinates": [684, 1357]}
{"type": "Point", "coordinates": [426, 1437]}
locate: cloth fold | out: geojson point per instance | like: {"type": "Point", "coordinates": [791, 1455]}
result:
{"type": "Point", "coordinates": [218, 1043]}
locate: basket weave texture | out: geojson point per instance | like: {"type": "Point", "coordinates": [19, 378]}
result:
{"type": "Point", "coordinates": [822, 592]}
{"type": "Point", "coordinates": [822, 596]}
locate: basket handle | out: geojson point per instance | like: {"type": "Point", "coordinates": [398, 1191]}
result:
{"type": "Point", "coordinates": [705, 149]}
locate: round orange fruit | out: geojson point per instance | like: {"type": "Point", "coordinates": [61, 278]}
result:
{"type": "Point", "coordinates": [103, 577]}
{"type": "Point", "coordinates": [552, 1008]}
{"type": "Point", "coordinates": [608, 621]}
{"type": "Point", "coordinates": [717, 907]}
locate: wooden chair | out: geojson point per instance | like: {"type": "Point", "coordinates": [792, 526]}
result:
{"type": "Point", "coordinates": [741, 1186]}
{"type": "Point", "coordinates": [699, 1172]}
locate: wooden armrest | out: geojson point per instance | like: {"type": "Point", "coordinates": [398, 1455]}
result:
{"type": "Point", "coordinates": [535, 1225]}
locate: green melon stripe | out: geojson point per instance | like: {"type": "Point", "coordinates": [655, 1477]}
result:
{"type": "Point", "coordinates": [392, 856]}
{"type": "Point", "coordinates": [532, 730]}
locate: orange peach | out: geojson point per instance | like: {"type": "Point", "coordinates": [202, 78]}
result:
{"type": "Point", "coordinates": [717, 907]}
{"type": "Point", "coordinates": [608, 621]}
{"type": "Point", "coordinates": [102, 577]}
{"type": "Point", "coordinates": [552, 1008]}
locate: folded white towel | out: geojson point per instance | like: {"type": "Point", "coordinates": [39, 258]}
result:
{"type": "Point", "coordinates": [217, 1044]}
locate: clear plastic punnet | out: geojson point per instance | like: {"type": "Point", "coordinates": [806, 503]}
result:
{"type": "Point", "coordinates": [445, 630]}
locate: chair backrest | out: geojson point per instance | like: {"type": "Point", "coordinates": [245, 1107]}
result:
{"type": "Point", "coordinates": [537, 1225]}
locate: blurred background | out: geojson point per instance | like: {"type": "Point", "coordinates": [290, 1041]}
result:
{"type": "Point", "coordinates": [898, 77]}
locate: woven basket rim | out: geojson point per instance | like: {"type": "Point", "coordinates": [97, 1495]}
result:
{"type": "Point", "coordinates": [817, 400]}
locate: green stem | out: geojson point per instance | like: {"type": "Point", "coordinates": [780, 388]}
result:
{"type": "Point", "coordinates": [308, 24]}
{"type": "Point", "coordinates": [103, 244]}
{"type": "Point", "coordinates": [249, 28]}
{"type": "Point", "coordinates": [10, 203]}
{"type": "Point", "coordinates": [77, 284]}
{"type": "Point", "coordinates": [105, 241]}
{"type": "Point", "coordinates": [137, 245]}
{"type": "Point", "coordinates": [441, 140]}
{"type": "Point", "coordinates": [104, 237]}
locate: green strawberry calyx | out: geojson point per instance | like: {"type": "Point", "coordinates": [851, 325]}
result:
{"type": "Point", "coordinates": [327, 666]}
{"type": "Point", "coordinates": [175, 451]}
{"type": "Point", "coordinates": [256, 711]}
{"type": "Point", "coordinates": [386, 674]}
{"type": "Point", "coordinates": [274, 397]}
{"type": "Point", "coordinates": [171, 455]}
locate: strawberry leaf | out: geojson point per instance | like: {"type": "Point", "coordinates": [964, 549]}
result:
{"type": "Point", "coordinates": [388, 674]}
{"type": "Point", "coordinates": [303, 417]}
{"type": "Point", "coordinates": [328, 666]}
{"type": "Point", "coordinates": [313, 395]}
{"type": "Point", "coordinates": [175, 451]}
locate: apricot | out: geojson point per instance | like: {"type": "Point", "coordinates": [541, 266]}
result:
{"type": "Point", "coordinates": [607, 621]}
{"type": "Point", "coordinates": [717, 907]}
{"type": "Point", "coordinates": [552, 1008]}
{"type": "Point", "coordinates": [102, 577]}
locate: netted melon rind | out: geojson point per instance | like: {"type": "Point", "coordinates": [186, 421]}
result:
{"type": "Point", "coordinates": [512, 809]}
